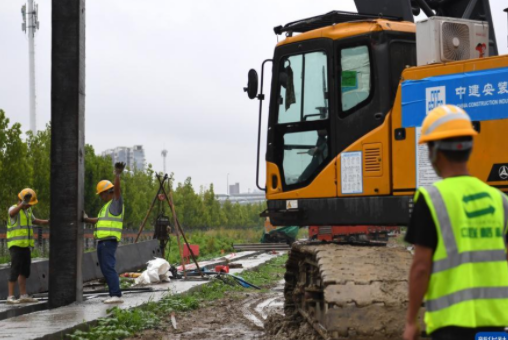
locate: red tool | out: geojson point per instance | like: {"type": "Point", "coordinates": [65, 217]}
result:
{"type": "Point", "coordinates": [222, 269]}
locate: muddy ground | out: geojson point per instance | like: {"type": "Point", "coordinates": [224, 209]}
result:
{"type": "Point", "coordinates": [238, 316]}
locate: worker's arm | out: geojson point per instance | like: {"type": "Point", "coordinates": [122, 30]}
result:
{"type": "Point", "coordinates": [91, 220]}
{"type": "Point", "coordinates": [118, 171]}
{"type": "Point", "coordinates": [37, 221]}
{"type": "Point", "coordinates": [419, 276]}
{"type": "Point", "coordinates": [14, 211]}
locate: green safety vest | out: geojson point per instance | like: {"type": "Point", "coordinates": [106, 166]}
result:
{"type": "Point", "coordinates": [468, 286]}
{"type": "Point", "coordinates": [108, 224]}
{"type": "Point", "coordinates": [19, 231]}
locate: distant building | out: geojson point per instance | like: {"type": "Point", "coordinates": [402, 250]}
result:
{"type": "Point", "coordinates": [134, 157]}
{"type": "Point", "coordinates": [243, 198]}
{"type": "Point", "coordinates": [138, 157]}
{"type": "Point", "coordinates": [234, 189]}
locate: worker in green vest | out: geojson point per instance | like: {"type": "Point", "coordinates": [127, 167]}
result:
{"type": "Point", "coordinates": [458, 228]}
{"type": "Point", "coordinates": [20, 241]}
{"type": "Point", "coordinates": [108, 232]}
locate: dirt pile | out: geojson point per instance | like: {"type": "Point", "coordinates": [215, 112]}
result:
{"type": "Point", "coordinates": [278, 327]}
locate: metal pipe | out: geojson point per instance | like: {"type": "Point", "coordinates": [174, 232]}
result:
{"type": "Point", "coordinates": [426, 8]}
{"type": "Point", "coordinates": [261, 97]}
{"type": "Point", "coordinates": [469, 9]}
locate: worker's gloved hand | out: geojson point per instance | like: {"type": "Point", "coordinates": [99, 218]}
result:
{"type": "Point", "coordinates": [84, 218]}
{"type": "Point", "coordinates": [119, 168]}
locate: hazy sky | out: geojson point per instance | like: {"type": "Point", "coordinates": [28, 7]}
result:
{"type": "Point", "coordinates": [166, 73]}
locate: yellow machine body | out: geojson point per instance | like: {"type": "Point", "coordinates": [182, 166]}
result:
{"type": "Point", "coordinates": [388, 164]}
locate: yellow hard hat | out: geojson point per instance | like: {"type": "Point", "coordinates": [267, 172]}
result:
{"type": "Point", "coordinates": [28, 191]}
{"type": "Point", "coordinates": [103, 186]}
{"type": "Point", "coordinates": [446, 121]}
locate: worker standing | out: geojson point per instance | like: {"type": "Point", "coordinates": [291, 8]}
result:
{"type": "Point", "coordinates": [20, 241]}
{"type": "Point", "coordinates": [108, 231]}
{"type": "Point", "coordinates": [458, 228]}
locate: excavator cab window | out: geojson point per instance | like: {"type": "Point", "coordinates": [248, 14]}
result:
{"type": "Point", "coordinates": [304, 152]}
{"type": "Point", "coordinates": [303, 94]}
{"type": "Point", "coordinates": [303, 110]}
{"type": "Point", "coordinates": [355, 76]}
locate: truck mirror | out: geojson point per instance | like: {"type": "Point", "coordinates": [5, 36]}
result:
{"type": "Point", "coordinates": [252, 84]}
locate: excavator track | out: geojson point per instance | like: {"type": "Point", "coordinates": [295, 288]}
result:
{"type": "Point", "coordinates": [348, 291]}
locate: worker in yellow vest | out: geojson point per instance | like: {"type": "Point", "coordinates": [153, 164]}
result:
{"type": "Point", "coordinates": [458, 228]}
{"type": "Point", "coordinates": [108, 232]}
{"type": "Point", "coordinates": [20, 241]}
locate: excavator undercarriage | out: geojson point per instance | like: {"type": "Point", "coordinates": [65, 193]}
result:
{"type": "Point", "coordinates": [348, 292]}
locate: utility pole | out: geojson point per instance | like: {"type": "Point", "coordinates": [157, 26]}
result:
{"type": "Point", "coordinates": [164, 153]}
{"type": "Point", "coordinates": [67, 152]}
{"type": "Point", "coordinates": [30, 24]}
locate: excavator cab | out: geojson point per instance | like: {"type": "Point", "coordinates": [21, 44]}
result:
{"type": "Point", "coordinates": [331, 85]}
{"type": "Point", "coordinates": [328, 93]}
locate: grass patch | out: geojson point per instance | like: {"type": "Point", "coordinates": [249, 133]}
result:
{"type": "Point", "coordinates": [123, 323]}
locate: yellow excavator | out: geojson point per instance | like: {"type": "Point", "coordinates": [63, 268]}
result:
{"type": "Point", "coordinates": [348, 94]}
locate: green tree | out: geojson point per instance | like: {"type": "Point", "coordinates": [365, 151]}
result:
{"type": "Point", "coordinates": [215, 215]}
{"type": "Point", "coordinates": [188, 205]}
{"type": "Point", "coordinates": [39, 151]}
{"type": "Point", "coordinates": [15, 170]}
{"type": "Point", "coordinates": [138, 191]}
{"type": "Point", "coordinates": [97, 168]}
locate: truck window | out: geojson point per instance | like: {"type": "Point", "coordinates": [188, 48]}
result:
{"type": "Point", "coordinates": [303, 82]}
{"type": "Point", "coordinates": [355, 76]}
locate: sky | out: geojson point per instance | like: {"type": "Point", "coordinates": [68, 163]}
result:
{"type": "Point", "coordinates": [168, 74]}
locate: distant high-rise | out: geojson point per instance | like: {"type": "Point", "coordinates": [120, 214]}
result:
{"type": "Point", "coordinates": [234, 189]}
{"type": "Point", "coordinates": [138, 157]}
{"type": "Point", "coordinates": [134, 157]}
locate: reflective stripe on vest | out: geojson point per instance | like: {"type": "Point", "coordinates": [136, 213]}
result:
{"type": "Point", "coordinates": [466, 295]}
{"type": "Point", "coordinates": [109, 225]}
{"type": "Point", "coordinates": [468, 286]}
{"type": "Point", "coordinates": [20, 233]}
{"type": "Point", "coordinates": [15, 238]}
{"type": "Point", "coordinates": [454, 258]}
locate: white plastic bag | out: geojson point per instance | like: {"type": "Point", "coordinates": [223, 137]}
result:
{"type": "Point", "coordinates": [162, 266]}
{"type": "Point", "coordinates": [157, 271]}
{"type": "Point", "coordinates": [165, 277]}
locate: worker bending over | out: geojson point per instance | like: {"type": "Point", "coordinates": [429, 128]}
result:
{"type": "Point", "coordinates": [20, 241]}
{"type": "Point", "coordinates": [108, 232]}
{"type": "Point", "coordinates": [458, 227]}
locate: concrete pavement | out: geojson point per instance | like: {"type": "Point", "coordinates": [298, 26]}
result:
{"type": "Point", "coordinates": [52, 324]}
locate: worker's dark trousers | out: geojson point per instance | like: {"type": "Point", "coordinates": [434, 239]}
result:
{"type": "Point", "coordinates": [106, 253]}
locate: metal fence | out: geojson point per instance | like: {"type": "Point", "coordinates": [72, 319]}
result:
{"type": "Point", "coordinates": [41, 238]}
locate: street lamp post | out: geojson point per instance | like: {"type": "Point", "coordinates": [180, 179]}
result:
{"type": "Point", "coordinates": [227, 184]}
